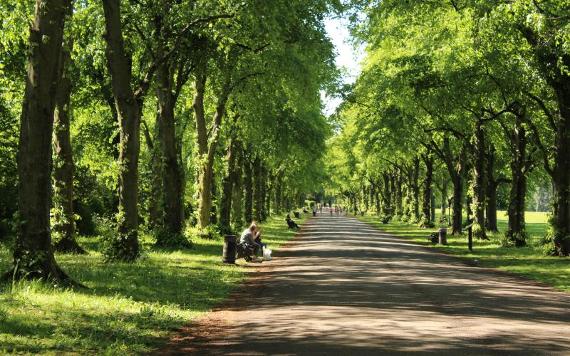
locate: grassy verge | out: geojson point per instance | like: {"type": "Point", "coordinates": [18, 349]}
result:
{"type": "Point", "coordinates": [527, 261]}
{"type": "Point", "coordinates": [128, 308]}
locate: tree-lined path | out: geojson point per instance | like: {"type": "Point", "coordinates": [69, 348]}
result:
{"type": "Point", "coordinates": [344, 287]}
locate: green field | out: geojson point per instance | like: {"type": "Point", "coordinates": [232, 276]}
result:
{"type": "Point", "coordinates": [528, 261]}
{"type": "Point", "coordinates": [128, 308]}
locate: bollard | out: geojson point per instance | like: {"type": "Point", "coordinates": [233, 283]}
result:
{"type": "Point", "coordinates": [443, 236]}
{"type": "Point", "coordinates": [229, 251]}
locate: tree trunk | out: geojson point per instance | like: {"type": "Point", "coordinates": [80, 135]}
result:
{"type": "Point", "coordinates": [516, 209]}
{"type": "Point", "coordinates": [257, 190]}
{"type": "Point", "coordinates": [426, 203]}
{"type": "Point", "coordinates": [33, 251]}
{"type": "Point", "coordinates": [387, 196]}
{"type": "Point", "coordinates": [444, 186]}
{"type": "Point", "coordinates": [416, 189]}
{"type": "Point", "coordinates": [227, 190]}
{"type": "Point", "coordinates": [208, 142]}
{"type": "Point", "coordinates": [64, 225]}
{"type": "Point", "coordinates": [237, 203]}
{"type": "Point", "coordinates": [171, 172]}
{"type": "Point", "coordinates": [492, 185]}
{"type": "Point", "coordinates": [248, 187]}
{"type": "Point", "coordinates": [479, 180]}
{"type": "Point", "coordinates": [457, 214]}
{"type": "Point", "coordinates": [155, 210]}
{"type": "Point", "coordinates": [279, 193]}
{"type": "Point", "coordinates": [553, 61]}
{"type": "Point", "coordinates": [562, 168]}
{"type": "Point", "coordinates": [125, 246]}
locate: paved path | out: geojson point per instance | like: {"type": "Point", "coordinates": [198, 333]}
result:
{"type": "Point", "coordinates": [345, 288]}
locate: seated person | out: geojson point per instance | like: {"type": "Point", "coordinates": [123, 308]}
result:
{"type": "Point", "coordinates": [290, 223]}
{"type": "Point", "coordinates": [250, 240]}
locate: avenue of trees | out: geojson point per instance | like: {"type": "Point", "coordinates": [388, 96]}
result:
{"type": "Point", "coordinates": [155, 116]}
{"type": "Point", "coordinates": [462, 105]}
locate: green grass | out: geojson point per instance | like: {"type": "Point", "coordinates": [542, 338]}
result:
{"type": "Point", "coordinates": [528, 261]}
{"type": "Point", "coordinates": [128, 308]}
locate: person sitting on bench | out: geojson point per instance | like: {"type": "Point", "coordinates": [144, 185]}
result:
{"type": "Point", "coordinates": [250, 241]}
{"type": "Point", "coordinates": [290, 223]}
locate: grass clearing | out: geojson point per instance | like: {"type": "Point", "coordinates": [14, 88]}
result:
{"type": "Point", "coordinates": [527, 261]}
{"type": "Point", "coordinates": [128, 308]}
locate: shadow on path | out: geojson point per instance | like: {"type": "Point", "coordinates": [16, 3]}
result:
{"type": "Point", "coordinates": [345, 288]}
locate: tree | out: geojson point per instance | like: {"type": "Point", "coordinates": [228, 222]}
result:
{"type": "Point", "coordinates": [33, 251]}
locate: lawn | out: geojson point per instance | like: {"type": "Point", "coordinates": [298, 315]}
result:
{"type": "Point", "coordinates": [528, 261]}
{"type": "Point", "coordinates": [127, 308]}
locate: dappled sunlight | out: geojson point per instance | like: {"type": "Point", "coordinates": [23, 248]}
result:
{"type": "Point", "coordinates": [340, 290]}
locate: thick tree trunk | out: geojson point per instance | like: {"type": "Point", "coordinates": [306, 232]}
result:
{"type": "Point", "coordinates": [457, 214]}
{"type": "Point", "coordinates": [238, 191]}
{"type": "Point", "coordinates": [227, 190]}
{"type": "Point", "coordinates": [416, 189]}
{"type": "Point", "coordinates": [562, 168]}
{"type": "Point", "coordinates": [279, 193]}
{"type": "Point", "coordinates": [427, 198]}
{"type": "Point", "coordinates": [248, 190]}
{"type": "Point", "coordinates": [492, 185]}
{"type": "Point", "coordinates": [516, 209]}
{"type": "Point", "coordinates": [155, 210]}
{"type": "Point", "coordinates": [398, 196]}
{"type": "Point", "coordinates": [64, 225]}
{"type": "Point", "coordinates": [387, 196]}
{"type": "Point", "coordinates": [444, 186]}
{"type": "Point", "coordinates": [171, 172]}
{"type": "Point", "coordinates": [33, 251]}
{"type": "Point", "coordinates": [553, 61]}
{"type": "Point", "coordinates": [126, 246]}
{"type": "Point", "coordinates": [479, 180]}
{"type": "Point", "coordinates": [257, 190]}
{"type": "Point", "coordinates": [205, 171]}
{"type": "Point", "coordinates": [208, 142]}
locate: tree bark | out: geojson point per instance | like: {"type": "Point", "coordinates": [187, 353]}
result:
{"type": "Point", "coordinates": [516, 209]}
{"type": "Point", "coordinates": [64, 225]}
{"type": "Point", "coordinates": [238, 191]}
{"type": "Point", "coordinates": [227, 190]}
{"type": "Point", "coordinates": [562, 166]}
{"type": "Point", "coordinates": [427, 198]}
{"type": "Point", "coordinates": [553, 61]}
{"type": "Point", "coordinates": [33, 251]}
{"type": "Point", "coordinates": [492, 185]}
{"type": "Point", "coordinates": [479, 179]}
{"type": "Point", "coordinates": [208, 143]}
{"type": "Point", "coordinates": [171, 172]}
{"type": "Point", "coordinates": [257, 190]}
{"type": "Point", "coordinates": [416, 188]}
{"type": "Point", "coordinates": [248, 190]}
{"type": "Point", "coordinates": [126, 246]}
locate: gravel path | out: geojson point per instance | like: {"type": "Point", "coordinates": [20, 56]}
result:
{"type": "Point", "coordinates": [345, 288]}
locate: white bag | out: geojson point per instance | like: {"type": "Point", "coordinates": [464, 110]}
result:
{"type": "Point", "coordinates": [266, 254]}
